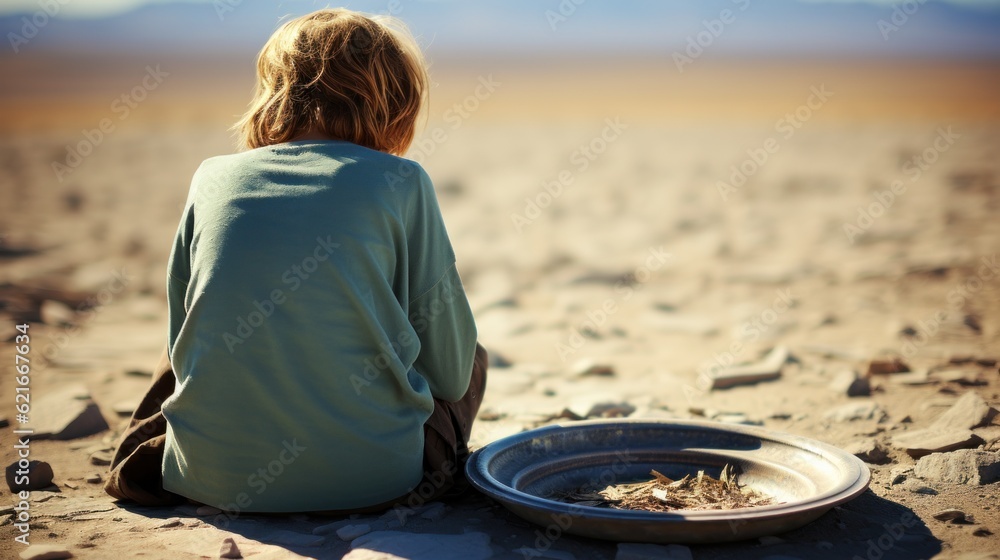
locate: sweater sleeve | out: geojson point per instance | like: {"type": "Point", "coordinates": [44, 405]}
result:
{"type": "Point", "coordinates": [440, 312]}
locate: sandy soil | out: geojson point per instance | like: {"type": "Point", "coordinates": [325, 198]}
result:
{"type": "Point", "coordinates": [648, 258]}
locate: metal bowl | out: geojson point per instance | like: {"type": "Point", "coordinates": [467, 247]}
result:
{"type": "Point", "coordinates": [808, 477]}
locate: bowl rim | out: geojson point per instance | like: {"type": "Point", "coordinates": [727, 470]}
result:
{"type": "Point", "coordinates": [856, 475]}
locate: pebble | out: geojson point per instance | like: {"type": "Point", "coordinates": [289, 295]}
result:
{"type": "Point", "coordinates": [969, 411]}
{"type": "Point", "coordinates": [869, 450]}
{"type": "Point", "coordinates": [866, 410]}
{"type": "Point", "coordinates": [172, 522]}
{"type": "Point", "coordinates": [206, 511]}
{"type": "Point", "coordinates": [39, 476]}
{"type": "Point", "coordinates": [101, 458]}
{"type": "Point", "coordinates": [351, 532]}
{"type": "Point", "coordinates": [45, 552]}
{"type": "Point", "coordinates": [918, 487]}
{"type": "Point", "coordinates": [982, 532]}
{"type": "Point", "coordinates": [4, 422]}
{"type": "Point", "coordinates": [965, 466]}
{"type": "Point", "coordinates": [587, 367]}
{"type": "Point", "coordinates": [229, 549]}
{"type": "Point", "coordinates": [635, 551]}
{"type": "Point", "coordinates": [125, 408]}
{"type": "Point", "coordinates": [849, 383]}
{"type": "Point", "coordinates": [765, 370]}
{"type": "Point", "coordinates": [893, 365]}
{"type": "Point", "coordinates": [918, 443]}
{"type": "Point", "coordinates": [952, 515]}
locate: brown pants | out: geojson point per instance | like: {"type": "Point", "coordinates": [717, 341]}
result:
{"type": "Point", "coordinates": [136, 469]}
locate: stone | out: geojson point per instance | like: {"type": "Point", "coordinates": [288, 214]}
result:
{"type": "Point", "coordinates": [93, 478]}
{"type": "Point", "coordinates": [918, 443]}
{"type": "Point", "coordinates": [45, 552]}
{"type": "Point", "coordinates": [898, 474]}
{"type": "Point", "coordinates": [473, 545]}
{"type": "Point", "coordinates": [496, 360]}
{"type": "Point", "coordinates": [886, 366]}
{"type": "Point", "coordinates": [963, 377]}
{"type": "Point", "coordinates": [765, 370]}
{"type": "Point", "coordinates": [101, 458]}
{"type": "Point", "coordinates": [965, 466]}
{"type": "Point", "coordinates": [229, 549]}
{"type": "Point", "coordinates": [207, 511]}
{"type": "Point", "coordinates": [125, 408]}
{"type": "Point", "coordinates": [869, 450]}
{"type": "Point", "coordinates": [4, 422]}
{"type": "Point", "coordinates": [849, 383]}
{"type": "Point", "coordinates": [982, 532]}
{"type": "Point", "coordinates": [66, 412]}
{"type": "Point", "coordinates": [170, 523]}
{"type": "Point", "coordinates": [590, 368]}
{"type": "Point", "coordinates": [862, 410]}
{"type": "Point", "coordinates": [351, 532]}
{"type": "Point", "coordinates": [969, 411]}
{"type": "Point", "coordinates": [637, 551]}
{"type": "Point", "coordinates": [917, 487]}
{"type": "Point", "coordinates": [610, 410]}
{"type": "Point", "coordinates": [951, 515]}
{"type": "Point", "coordinates": [39, 476]}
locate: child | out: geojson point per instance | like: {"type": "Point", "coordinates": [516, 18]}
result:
{"type": "Point", "coordinates": [324, 351]}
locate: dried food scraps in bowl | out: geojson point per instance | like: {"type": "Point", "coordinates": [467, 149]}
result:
{"type": "Point", "coordinates": [701, 492]}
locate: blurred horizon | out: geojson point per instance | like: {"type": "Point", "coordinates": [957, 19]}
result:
{"type": "Point", "coordinates": [753, 28]}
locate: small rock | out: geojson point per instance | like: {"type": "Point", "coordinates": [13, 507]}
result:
{"type": "Point", "coordinates": [497, 360]}
{"type": "Point", "coordinates": [93, 478]}
{"type": "Point", "coordinates": [125, 408]}
{"type": "Point", "coordinates": [918, 487]}
{"type": "Point", "coordinates": [952, 515]}
{"type": "Point", "coordinates": [101, 458]}
{"type": "Point", "coordinates": [765, 370]}
{"type": "Point", "coordinates": [966, 466]}
{"type": "Point", "coordinates": [862, 410]}
{"type": "Point", "coordinates": [39, 476]}
{"type": "Point", "coordinates": [969, 411]}
{"type": "Point", "coordinates": [587, 367]}
{"type": "Point", "coordinates": [66, 413]}
{"type": "Point", "coordinates": [982, 532]}
{"type": "Point", "coordinates": [893, 365]}
{"type": "Point", "coordinates": [913, 378]}
{"type": "Point", "coordinates": [351, 532]}
{"type": "Point", "coordinates": [736, 418]}
{"type": "Point", "coordinates": [169, 523]}
{"type": "Point", "coordinates": [849, 383]}
{"type": "Point", "coordinates": [207, 511]}
{"type": "Point", "coordinates": [610, 410]}
{"type": "Point", "coordinates": [965, 378]}
{"type": "Point", "coordinates": [4, 422]}
{"type": "Point", "coordinates": [635, 551]}
{"type": "Point", "coordinates": [918, 443]}
{"type": "Point", "coordinates": [490, 415]}
{"type": "Point", "coordinates": [45, 552]}
{"type": "Point", "coordinates": [229, 549]}
{"type": "Point", "coordinates": [869, 451]}
{"type": "Point", "coordinates": [898, 474]}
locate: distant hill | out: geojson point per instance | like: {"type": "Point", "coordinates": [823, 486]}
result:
{"type": "Point", "coordinates": [764, 28]}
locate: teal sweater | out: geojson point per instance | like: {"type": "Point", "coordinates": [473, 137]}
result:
{"type": "Point", "coordinates": [315, 312]}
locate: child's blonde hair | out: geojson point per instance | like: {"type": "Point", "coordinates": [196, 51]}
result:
{"type": "Point", "coordinates": [340, 73]}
